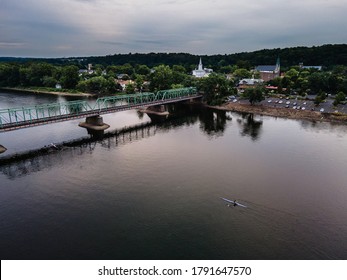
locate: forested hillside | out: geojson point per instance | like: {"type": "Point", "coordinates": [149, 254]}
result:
{"type": "Point", "coordinates": [326, 55]}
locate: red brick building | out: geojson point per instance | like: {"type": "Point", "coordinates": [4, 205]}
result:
{"type": "Point", "coordinates": [269, 72]}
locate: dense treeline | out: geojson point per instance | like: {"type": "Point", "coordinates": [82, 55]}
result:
{"type": "Point", "coordinates": [99, 80]}
{"type": "Point", "coordinates": [326, 55]}
{"type": "Point", "coordinates": [152, 72]}
{"type": "Point", "coordinates": [38, 74]}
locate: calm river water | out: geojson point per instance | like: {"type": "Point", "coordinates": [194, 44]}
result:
{"type": "Point", "coordinates": [152, 190]}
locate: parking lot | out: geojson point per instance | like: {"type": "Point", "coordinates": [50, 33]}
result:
{"type": "Point", "coordinates": [300, 104]}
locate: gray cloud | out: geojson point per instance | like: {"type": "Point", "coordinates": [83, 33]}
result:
{"type": "Point", "coordinates": [99, 27]}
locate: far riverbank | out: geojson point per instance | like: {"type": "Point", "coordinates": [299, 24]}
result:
{"type": "Point", "coordinates": [283, 112]}
{"type": "Point", "coordinates": [261, 109]}
{"type": "Point", "coordinates": [60, 93]}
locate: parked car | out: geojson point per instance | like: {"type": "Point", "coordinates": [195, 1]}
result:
{"type": "Point", "coordinates": [321, 110]}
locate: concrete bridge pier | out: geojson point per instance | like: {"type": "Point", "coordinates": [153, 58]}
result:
{"type": "Point", "coordinates": [156, 113]}
{"type": "Point", "coordinates": [94, 123]}
{"type": "Point", "coordinates": [2, 149]}
{"type": "Point", "coordinates": [159, 110]}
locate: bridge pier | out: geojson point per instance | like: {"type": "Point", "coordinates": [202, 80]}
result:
{"type": "Point", "coordinates": [2, 149]}
{"type": "Point", "coordinates": [159, 110]}
{"type": "Point", "coordinates": [156, 113]}
{"type": "Point", "coordinates": [94, 123]}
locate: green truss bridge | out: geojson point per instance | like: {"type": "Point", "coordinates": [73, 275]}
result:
{"type": "Point", "coordinates": [16, 118]}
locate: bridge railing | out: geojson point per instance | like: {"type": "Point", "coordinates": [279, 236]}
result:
{"type": "Point", "coordinates": [124, 100]}
{"type": "Point", "coordinates": [40, 112]}
{"type": "Point", "coordinates": [175, 93]}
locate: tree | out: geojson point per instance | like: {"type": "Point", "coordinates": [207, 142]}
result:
{"type": "Point", "coordinates": [226, 69]}
{"type": "Point", "coordinates": [111, 86]}
{"type": "Point", "coordinates": [319, 98]}
{"type": "Point", "coordinates": [177, 86]}
{"type": "Point", "coordinates": [340, 97]}
{"type": "Point", "coordinates": [24, 76]}
{"type": "Point", "coordinates": [70, 78]}
{"type": "Point", "coordinates": [82, 86]}
{"type": "Point", "coordinates": [179, 74]}
{"type": "Point", "coordinates": [179, 68]}
{"type": "Point", "coordinates": [301, 85]}
{"type": "Point", "coordinates": [130, 88]}
{"type": "Point", "coordinates": [215, 87]}
{"type": "Point", "coordinates": [9, 75]}
{"type": "Point", "coordinates": [48, 81]}
{"type": "Point", "coordinates": [243, 64]}
{"type": "Point", "coordinates": [317, 82]}
{"type": "Point", "coordinates": [242, 73]}
{"type": "Point", "coordinates": [254, 94]}
{"type": "Point", "coordinates": [139, 81]}
{"type": "Point", "coordinates": [126, 69]}
{"type": "Point", "coordinates": [97, 85]}
{"type": "Point", "coordinates": [292, 74]}
{"type": "Point", "coordinates": [161, 78]}
{"type": "Point", "coordinates": [37, 72]}
{"type": "Point", "coordinates": [142, 70]}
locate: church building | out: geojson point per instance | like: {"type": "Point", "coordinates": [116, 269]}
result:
{"type": "Point", "coordinates": [269, 72]}
{"type": "Point", "coordinates": [201, 72]}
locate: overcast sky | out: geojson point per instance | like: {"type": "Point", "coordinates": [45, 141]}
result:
{"type": "Point", "coordinates": [63, 28]}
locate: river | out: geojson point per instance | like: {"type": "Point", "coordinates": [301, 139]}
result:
{"type": "Point", "coordinates": [152, 189]}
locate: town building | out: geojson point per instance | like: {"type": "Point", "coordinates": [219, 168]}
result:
{"type": "Point", "coordinates": [269, 72]}
{"type": "Point", "coordinates": [201, 72]}
{"type": "Point", "coordinates": [248, 83]}
{"type": "Point", "coordinates": [316, 67]}
{"type": "Point", "coordinates": [87, 71]}
{"type": "Point", "coordinates": [123, 84]}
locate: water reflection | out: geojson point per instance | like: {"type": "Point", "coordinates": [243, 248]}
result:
{"type": "Point", "coordinates": [46, 157]}
{"type": "Point", "coordinates": [250, 126]}
{"type": "Point", "coordinates": [163, 192]}
{"type": "Point", "coordinates": [213, 122]}
{"type": "Point", "coordinates": [314, 126]}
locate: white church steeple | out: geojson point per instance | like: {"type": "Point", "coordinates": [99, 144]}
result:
{"type": "Point", "coordinates": [200, 67]}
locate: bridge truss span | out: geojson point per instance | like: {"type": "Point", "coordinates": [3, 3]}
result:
{"type": "Point", "coordinates": [16, 118]}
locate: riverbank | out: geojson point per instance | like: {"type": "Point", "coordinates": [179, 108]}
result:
{"type": "Point", "coordinates": [60, 93]}
{"type": "Point", "coordinates": [283, 112]}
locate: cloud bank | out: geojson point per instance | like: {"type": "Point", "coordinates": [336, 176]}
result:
{"type": "Point", "coordinates": [57, 28]}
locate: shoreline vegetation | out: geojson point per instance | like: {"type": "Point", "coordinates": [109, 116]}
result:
{"type": "Point", "coordinates": [234, 107]}
{"type": "Point", "coordinates": [42, 91]}
{"type": "Point", "coordinates": [288, 113]}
